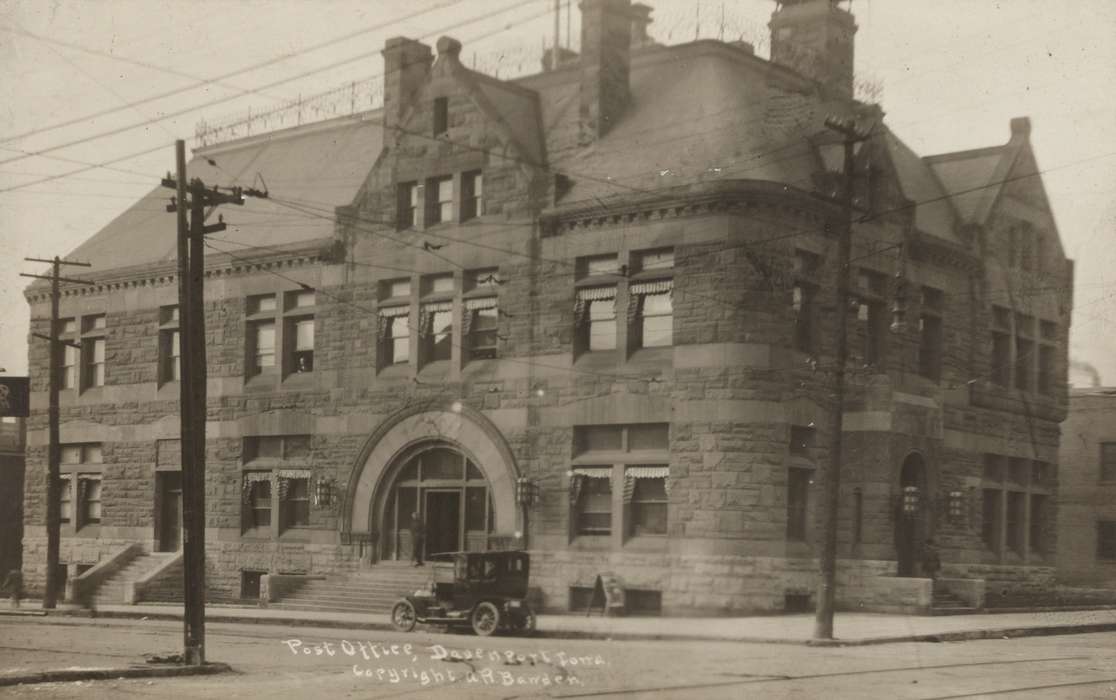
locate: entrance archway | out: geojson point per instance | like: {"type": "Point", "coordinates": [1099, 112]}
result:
{"type": "Point", "coordinates": [911, 514]}
{"type": "Point", "coordinates": [448, 491]}
{"type": "Point", "coordinates": [451, 465]}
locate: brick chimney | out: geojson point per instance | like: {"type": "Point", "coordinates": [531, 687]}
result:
{"type": "Point", "coordinates": [606, 27]}
{"type": "Point", "coordinates": [406, 67]}
{"type": "Point", "coordinates": [815, 39]}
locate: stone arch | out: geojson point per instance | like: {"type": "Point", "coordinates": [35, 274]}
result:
{"type": "Point", "coordinates": [452, 424]}
{"type": "Point", "coordinates": [914, 524]}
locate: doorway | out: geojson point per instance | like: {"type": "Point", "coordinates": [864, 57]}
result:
{"type": "Point", "coordinates": [910, 516]}
{"type": "Point", "coordinates": [443, 521]}
{"type": "Point", "coordinates": [169, 523]}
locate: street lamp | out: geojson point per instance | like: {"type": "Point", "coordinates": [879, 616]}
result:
{"type": "Point", "coordinates": [527, 496]}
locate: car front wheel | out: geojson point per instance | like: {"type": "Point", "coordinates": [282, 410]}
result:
{"type": "Point", "coordinates": [403, 616]}
{"type": "Point", "coordinates": [486, 619]}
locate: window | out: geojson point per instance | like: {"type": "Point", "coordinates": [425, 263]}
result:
{"type": "Point", "coordinates": [89, 492]}
{"type": "Point", "coordinates": [1106, 540]}
{"type": "Point", "coordinates": [439, 200]}
{"type": "Point", "coordinates": [803, 300]}
{"type": "Point", "coordinates": [395, 335]}
{"type": "Point", "coordinates": [652, 303]}
{"type": "Point", "coordinates": [436, 329]}
{"type": "Point", "coordinates": [263, 346]}
{"type": "Point", "coordinates": [481, 320]}
{"type": "Point", "coordinates": [93, 351]}
{"type": "Point", "coordinates": [930, 334]}
{"type": "Point", "coordinates": [594, 503]}
{"type": "Point", "coordinates": [67, 330]}
{"type": "Point", "coordinates": [1001, 346]}
{"type": "Point", "coordinates": [294, 495]}
{"type": "Point", "coordinates": [872, 320]}
{"type": "Point", "coordinates": [640, 453]}
{"type": "Point", "coordinates": [472, 195]}
{"type": "Point", "coordinates": [257, 500]}
{"type": "Point", "coordinates": [798, 493]}
{"type": "Point", "coordinates": [598, 265]}
{"type": "Point", "coordinates": [645, 490]}
{"type": "Point", "coordinates": [595, 315]}
{"type": "Point", "coordinates": [858, 515]}
{"type": "Point", "coordinates": [170, 350]}
{"type": "Point", "coordinates": [1108, 461]}
{"type": "Point", "coordinates": [276, 448]}
{"type": "Point", "coordinates": [302, 357]}
{"type": "Point", "coordinates": [1024, 352]}
{"type": "Point", "coordinates": [66, 497]}
{"type": "Point", "coordinates": [441, 115]}
{"type": "Point", "coordinates": [653, 260]}
{"type": "Point", "coordinates": [299, 331]}
{"type": "Point", "coordinates": [406, 205]}
{"type": "Point", "coordinates": [395, 289]}
{"type": "Point", "coordinates": [1013, 536]}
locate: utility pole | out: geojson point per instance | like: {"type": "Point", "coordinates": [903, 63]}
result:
{"type": "Point", "coordinates": [827, 580]}
{"type": "Point", "coordinates": [54, 500]}
{"type": "Point", "coordinates": [192, 386]}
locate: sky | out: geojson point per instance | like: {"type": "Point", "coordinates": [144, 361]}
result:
{"type": "Point", "coordinates": [125, 78]}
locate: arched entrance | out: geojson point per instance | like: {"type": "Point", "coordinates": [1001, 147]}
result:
{"type": "Point", "coordinates": [449, 464]}
{"type": "Point", "coordinates": [911, 514]}
{"type": "Point", "coordinates": [450, 494]}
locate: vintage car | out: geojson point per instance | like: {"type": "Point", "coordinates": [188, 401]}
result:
{"type": "Point", "coordinates": [485, 590]}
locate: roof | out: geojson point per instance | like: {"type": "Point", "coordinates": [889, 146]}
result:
{"type": "Point", "coordinates": [919, 184]}
{"type": "Point", "coordinates": [969, 173]}
{"type": "Point", "coordinates": [698, 111]}
{"type": "Point", "coordinates": [310, 168]}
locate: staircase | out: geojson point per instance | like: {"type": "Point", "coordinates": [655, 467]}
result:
{"type": "Point", "coordinates": [371, 591]}
{"type": "Point", "coordinates": [111, 591]}
{"type": "Point", "coordinates": [945, 603]}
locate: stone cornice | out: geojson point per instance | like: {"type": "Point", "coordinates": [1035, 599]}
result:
{"type": "Point", "coordinates": [217, 265]}
{"type": "Point", "coordinates": [718, 197]}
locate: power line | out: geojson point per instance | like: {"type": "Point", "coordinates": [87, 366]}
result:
{"type": "Point", "coordinates": [206, 81]}
{"type": "Point", "coordinates": [91, 166]}
{"type": "Point", "coordinates": [220, 100]}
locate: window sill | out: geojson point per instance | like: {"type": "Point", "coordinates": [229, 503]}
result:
{"type": "Point", "coordinates": [261, 380]}
{"type": "Point", "coordinates": [299, 379]}
{"type": "Point", "coordinates": [401, 370]}
{"type": "Point", "coordinates": [597, 358]}
{"type": "Point", "coordinates": [663, 355]}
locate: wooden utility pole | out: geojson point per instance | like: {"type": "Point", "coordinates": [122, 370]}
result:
{"type": "Point", "coordinates": [192, 386]}
{"type": "Point", "coordinates": [54, 500]}
{"type": "Point", "coordinates": [827, 579]}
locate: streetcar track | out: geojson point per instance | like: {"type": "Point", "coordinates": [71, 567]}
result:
{"type": "Point", "coordinates": [1020, 690]}
{"type": "Point", "coordinates": [777, 678]}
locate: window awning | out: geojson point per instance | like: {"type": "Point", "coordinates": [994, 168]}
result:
{"type": "Point", "coordinates": [480, 304]}
{"type": "Point", "coordinates": [293, 473]}
{"type": "Point", "coordinates": [595, 293]}
{"type": "Point", "coordinates": [653, 287]}
{"type": "Point", "coordinates": [647, 472]}
{"type": "Point", "coordinates": [593, 472]}
{"type": "Point", "coordinates": [437, 306]}
{"type": "Point", "coordinates": [393, 311]}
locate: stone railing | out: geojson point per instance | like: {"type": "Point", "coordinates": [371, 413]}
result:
{"type": "Point", "coordinates": [80, 588]}
{"type": "Point", "coordinates": [134, 590]}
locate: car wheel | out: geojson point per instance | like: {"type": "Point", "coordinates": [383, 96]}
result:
{"type": "Point", "coordinates": [486, 619]}
{"type": "Point", "coordinates": [403, 616]}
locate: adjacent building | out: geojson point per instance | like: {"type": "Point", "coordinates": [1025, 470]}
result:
{"type": "Point", "coordinates": [12, 438]}
{"type": "Point", "coordinates": [589, 312]}
{"type": "Point", "coordinates": [1087, 497]}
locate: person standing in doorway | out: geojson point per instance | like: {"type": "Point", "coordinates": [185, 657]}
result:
{"type": "Point", "coordinates": [14, 584]}
{"type": "Point", "coordinates": [418, 537]}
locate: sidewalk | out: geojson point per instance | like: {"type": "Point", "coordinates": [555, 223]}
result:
{"type": "Point", "coordinates": [850, 628]}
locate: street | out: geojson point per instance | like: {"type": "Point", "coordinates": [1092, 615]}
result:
{"type": "Point", "coordinates": [281, 662]}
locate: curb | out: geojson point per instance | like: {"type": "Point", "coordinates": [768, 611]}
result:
{"type": "Point", "coordinates": [958, 636]}
{"type": "Point", "coordinates": [107, 674]}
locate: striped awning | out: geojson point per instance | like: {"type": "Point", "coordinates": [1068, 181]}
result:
{"type": "Point", "coordinates": [596, 293]}
{"type": "Point", "coordinates": [593, 472]}
{"type": "Point", "coordinates": [436, 306]}
{"type": "Point", "coordinates": [647, 472]}
{"type": "Point", "coordinates": [653, 287]}
{"type": "Point", "coordinates": [393, 311]}
{"type": "Point", "coordinates": [293, 473]}
{"type": "Point", "coordinates": [480, 304]}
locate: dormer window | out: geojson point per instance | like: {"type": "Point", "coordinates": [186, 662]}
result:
{"type": "Point", "coordinates": [441, 115]}
{"type": "Point", "coordinates": [439, 200]}
{"type": "Point", "coordinates": [472, 195]}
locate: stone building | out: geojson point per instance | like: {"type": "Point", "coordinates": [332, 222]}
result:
{"type": "Point", "coordinates": [1087, 493]}
{"type": "Point", "coordinates": [613, 281]}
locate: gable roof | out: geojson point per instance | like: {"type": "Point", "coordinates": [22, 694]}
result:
{"type": "Point", "coordinates": [934, 214]}
{"type": "Point", "coordinates": [972, 176]}
{"type": "Point", "coordinates": [314, 167]}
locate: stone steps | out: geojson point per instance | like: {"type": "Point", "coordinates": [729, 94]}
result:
{"type": "Point", "coordinates": [111, 590]}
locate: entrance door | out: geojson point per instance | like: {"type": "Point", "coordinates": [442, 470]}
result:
{"type": "Point", "coordinates": [910, 518]}
{"type": "Point", "coordinates": [170, 511]}
{"type": "Point", "coordinates": [443, 521]}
